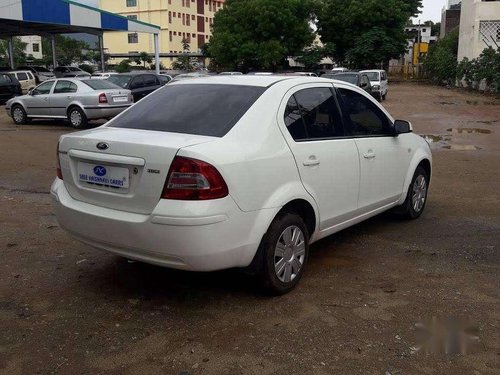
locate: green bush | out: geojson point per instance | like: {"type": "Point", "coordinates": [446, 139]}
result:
{"type": "Point", "coordinates": [87, 68]}
{"type": "Point", "coordinates": [123, 66]}
{"type": "Point", "coordinates": [441, 62]}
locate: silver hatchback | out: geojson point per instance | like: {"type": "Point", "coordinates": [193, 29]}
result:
{"type": "Point", "coordinates": [76, 100]}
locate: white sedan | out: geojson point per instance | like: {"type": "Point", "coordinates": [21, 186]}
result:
{"type": "Point", "coordinates": [238, 171]}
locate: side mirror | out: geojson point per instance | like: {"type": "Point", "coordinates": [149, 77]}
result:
{"type": "Point", "coordinates": [401, 127]}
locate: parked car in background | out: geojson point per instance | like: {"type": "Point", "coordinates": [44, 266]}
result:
{"type": "Point", "coordinates": [230, 73]}
{"type": "Point", "coordinates": [188, 178]}
{"type": "Point", "coordinates": [358, 79]}
{"type": "Point", "coordinates": [140, 84]}
{"type": "Point", "coordinates": [301, 74]}
{"type": "Point", "coordinates": [9, 87]}
{"type": "Point", "coordinates": [72, 99]}
{"type": "Point", "coordinates": [339, 70]}
{"type": "Point", "coordinates": [41, 73]}
{"type": "Point", "coordinates": [181, 77]}
{"type": "Point", "coordinates": [379, 81]}
{"type": "Point", "coordinates": [98, 75]}
{"type": "Point", "coordinates": [69, 71]}
{"type": "Point", "coordinates": [25, 78]}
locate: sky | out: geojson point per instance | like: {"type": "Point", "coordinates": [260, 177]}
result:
{"type": "Point", "coordinates": [431, 10]}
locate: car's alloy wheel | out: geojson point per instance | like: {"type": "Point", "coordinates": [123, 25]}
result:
{"type": "Point", "coordinates": [289, 254]}
{"type": "Point", "coordinates": [282, 254]}
{"type": "Point", "coordinates": [19, 115]}
{"type": "Point", "coordinates": [416, 197]}
{"type": "Point", "coordinates": [419, 193]}
{"type": "Point", "coordinates": [77, 118]}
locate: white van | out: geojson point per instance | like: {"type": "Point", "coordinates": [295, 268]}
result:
{"type": "Point", "coordinates": [379, 81]}
{"type": "Point", "coordinates": [25, 78]}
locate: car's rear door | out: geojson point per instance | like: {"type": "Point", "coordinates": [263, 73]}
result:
{"type": "Point", "coordinates": [151, 83]}
{"type": "Point", "coordinates": [383, 158]}
{"type": "Point", "coordinates": [327, 161]}
{"type": "Point", "coordinates": [64, 92]}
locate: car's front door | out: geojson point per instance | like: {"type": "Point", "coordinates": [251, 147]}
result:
{"type": "Point", "coordinates": [137, 87]}
{"type": "Point", "coordinates": [38, 103]}
{"type": "Point", "coordinates": [327, 161]}
{"type": "Point", "coordinates": [383, 158]}
{"type": "Point", "coordinates": [64, 93]}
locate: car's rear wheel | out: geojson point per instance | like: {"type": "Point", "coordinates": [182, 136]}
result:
{"type": "Point", "coordinates": [384, 97]}
{"type": "Point", "coordinates": [416, 198]}
{"type": "Point", "coordinates": [283, 254]}
{"type": "Point", "coordinates": [77, 118]}
{"type": "Point", "coordinates": [19, 115]}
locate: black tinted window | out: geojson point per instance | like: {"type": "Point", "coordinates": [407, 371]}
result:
{"type": "Point", "coordinates": [319, 113]}
{"type": "Point", "coordinates": [293, 120]}
{"type": "Point", "coordinates": [349, 78]}
{"type": "Point", "coordinates": [22, 76]}
{"type": "Point", "coordinates": [150, 80]}
{"type": "Point", "coordinates": [120, 80]}
{"type": "Point", "coordinates": [64, 87]}
{"type": "Point", "coordinates": [5, 79]}
{"type": "Point", "coordinates": [365, 117]}
{"type": "Point", "coordinates": [201, 109]}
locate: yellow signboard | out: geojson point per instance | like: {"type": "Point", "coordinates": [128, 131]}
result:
{"type": "Point", "coordinates": [419, 50]}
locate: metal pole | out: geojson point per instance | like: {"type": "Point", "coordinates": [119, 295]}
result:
{"type": "Point", "coordinates": [11, 53]}
{"type": "Point", "coordinates": [54, 60]}
{"type": "Point", "coordinates": [157, 53]}
{"type": "Point", "coordinates": [101, 48]}
{"type": "Point", "coordinates": [418, 53]}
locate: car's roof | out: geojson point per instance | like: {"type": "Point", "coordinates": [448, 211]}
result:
{"type": "Point", "coordinates": [20, 71]}
{"type": "Point", "coordinates": [372, 70]}
{"type": "Point", "coordinates": [347, 74]}
{"type": "Point", "coordinates": [258, 81]}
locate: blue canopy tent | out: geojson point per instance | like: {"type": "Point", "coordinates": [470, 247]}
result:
{"type": "Point", "coordinates": [51, 17]}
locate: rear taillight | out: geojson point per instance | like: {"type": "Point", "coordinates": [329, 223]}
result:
{"type": "Point", "coordinates": [102, 98]}
{"type": "Point", "coordinates": [191, 179]}
{"type": "Point", "coordinates": [59, 172]}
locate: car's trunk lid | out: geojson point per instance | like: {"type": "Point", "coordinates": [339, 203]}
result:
{"type": "Point", "coordinates": [123, 169]}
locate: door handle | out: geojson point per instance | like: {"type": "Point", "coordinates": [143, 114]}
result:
{"type": "Point", "coordinates": [369, 155]}
{"type": "Point", "coordinates": [69, 97]}
{"type": "Point", "coordinates": [311, 162]}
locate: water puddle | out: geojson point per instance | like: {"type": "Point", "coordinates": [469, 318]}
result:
{"type": "Point", "coordinates": [469, 131]}
{"type": "Point", "coordinates": [462, 147]}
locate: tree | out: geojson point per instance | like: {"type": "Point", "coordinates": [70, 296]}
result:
{"type": "Point", "coordinates": [184, 61]}
{"type": "Point", "coordinates": [260, 34]}
{"type": "Point", "coordinates": [123, 66]}
{"type": "Point", "coordinates": [19, 55]}
{"type": "Point", "coordinates": [366, 32]}
{"type": "Point", "coordinates": [68, 50]}
{"type": "Point", "coordinates": [311, 56]}
{"type": "Point", "coordinates": [143, 58]}
{"type": "Point", "coordinates": [441, 61]}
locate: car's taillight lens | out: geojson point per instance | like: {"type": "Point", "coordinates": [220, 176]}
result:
{"type": "Point", "coordinates": [59, 172]}
{"type": "Point", "coordinates": [102, 98]}
{"type": "Point", "coordinates": [192, 179]}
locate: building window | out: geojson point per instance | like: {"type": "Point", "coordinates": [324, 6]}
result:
{"type": "Point", "coordinates": [133, 38]}
{"type": "Point", "coordinates": [131, 3]}
{"type": "Point", "coordinates": [170, 36]}
{"type": "Point", "coordinates": [489, 33]}
{"type": "Point", "coordinates": [193, 17]}
{"type": "Point", "coordinates": [132, 16]}
{"type": "Point", "coordinates": [188, 20]}
{"type": "Point", "coordinates": [169, 17]}
{"type": "Point", "coordinates": [36, 47]}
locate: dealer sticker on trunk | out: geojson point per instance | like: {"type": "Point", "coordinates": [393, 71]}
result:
{"type": "Point", "coordinates": [103, 175]}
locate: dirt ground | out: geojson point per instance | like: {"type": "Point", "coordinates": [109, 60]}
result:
{"type": "Point", "coordinates": [368, 293]}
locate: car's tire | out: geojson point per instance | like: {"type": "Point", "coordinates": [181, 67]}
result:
{"type": "Point", "coordinates": [384, 97]}
{"type": "Point", "coordinates": [77, 118]}
{"type": "Point", "coordinates": [282, 254]}
{"type": "Point", "coordinates": [19, 114]}
{"type": "Point", "coordinates": [416, 197]}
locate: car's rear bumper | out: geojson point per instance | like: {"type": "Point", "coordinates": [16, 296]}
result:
{"type": "Point", "coordinates": [104, 112]}
{"type": "Point", "coordinates": [197, 236]}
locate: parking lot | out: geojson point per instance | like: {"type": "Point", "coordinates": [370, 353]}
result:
{"type": "Point", "coordinates": [68, 308]}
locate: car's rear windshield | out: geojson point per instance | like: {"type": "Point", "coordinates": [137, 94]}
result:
{"type": "Point", "coordinates": [350, 78]}
{"type": "Point", "coordinates": [120, 80]}
{"type": "Point", "coordinates": [100, 84]}
{"type": "Point", "coordinates": [373, 76]}
{"type": "Point", "coordinates": [5, 79]}
{"type": "Point", "coordinates": [41, 69]}
{"type": "Point", "coordinates": [201, 109]}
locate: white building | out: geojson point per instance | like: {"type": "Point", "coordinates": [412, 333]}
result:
{"type": "Point", "coordinates": [479, 27]}
{"type": "Point", "coordinates": [33, 46]}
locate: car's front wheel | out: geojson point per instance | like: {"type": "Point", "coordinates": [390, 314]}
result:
{"type": "Point", "coordinates": [19, 115]}
{"type": "Point", "coordinates": [283, 254]}
{"type": "Point", "coordinates": [77, 118]}
{"type": "Point", "coordinates": [416, 197]}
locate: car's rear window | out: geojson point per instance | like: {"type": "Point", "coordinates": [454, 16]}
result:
{"type": "Point", "coordinates": [5, 79]}
{"type": "Point", "coordinates": [100, 84]}
{"type": "Point", "coordinates": [201, 109]}
{"type": "Point", "coordinates": [349, 78]}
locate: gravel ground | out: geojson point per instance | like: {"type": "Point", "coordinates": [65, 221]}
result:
{"type": "Point", "coordinates": [367, 296]}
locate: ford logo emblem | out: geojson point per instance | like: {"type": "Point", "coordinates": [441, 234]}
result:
{"type": "Point", "coordinates": [99, 171]}
{"type": "Point", "coordinates": [102, 146]}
